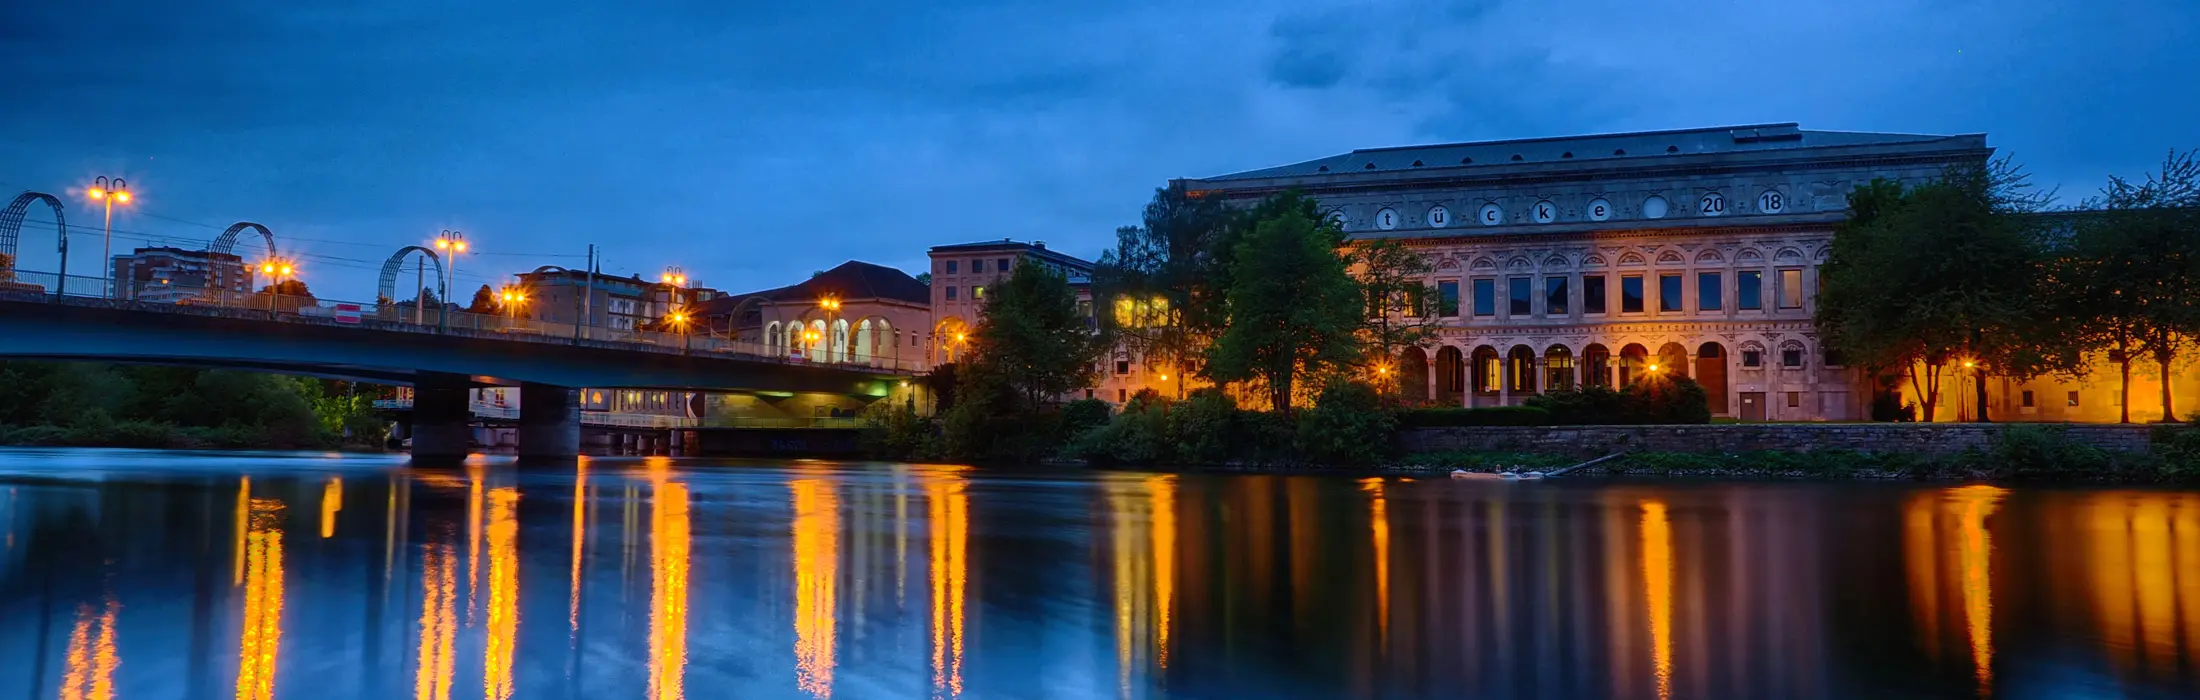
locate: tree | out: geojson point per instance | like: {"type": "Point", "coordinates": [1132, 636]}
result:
{"type": "Point", "coordinates": [7, 268]}
{"type": "Point", "coordinates": [1160, 290]}
{"type": "Point", "coordinates": [1031, 337]}
{"type": "Point", "coordinates": [2133, 261]}
{"type": "Point", "coordinates": [1029, 348]}
{"type": "Point", "coordinates": [925, 279]}
{"type": "Point", "coordinates": [289, 288]}
{"type": "Point", "coordinates": [1940, 273]}
{"type": "Point", "coordinates": [1293, 309]}
{"type": "Point", "coordinates": [485, 302]}
{"type": "Point", "coordinates": [1401, 309]}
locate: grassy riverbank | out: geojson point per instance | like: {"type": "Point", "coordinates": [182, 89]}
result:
{"type": "Point", "coordinates": [2021, 453]}
{"type": "Point", "coordinates": [96, 405]}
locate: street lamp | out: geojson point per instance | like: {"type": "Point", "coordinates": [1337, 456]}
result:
{"type": "Point", "coordinates": [513, 297]}
{"type": "Point", "coordinates": [450, 243]}
{"type": "Point", "coordinates": [831, 305]}
{"type": "Point", "coordinates": [809, 344]}
{"type": "Point", "coordinates": [277, 270]}
{"type": "Point", "coordinates": [679, 321]}
{"type": "Point", "coordinates": [110, 192]}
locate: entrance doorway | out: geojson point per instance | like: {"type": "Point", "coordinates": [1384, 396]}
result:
{"type": "Point", "coordinates": [1753, 405]}
{"type": "Point", "coordinates": [1711, 373]}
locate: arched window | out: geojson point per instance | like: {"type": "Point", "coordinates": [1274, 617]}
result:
{"type": "Point", "coordinates": [1596, 366]}
{"type": "Point", "coordinates": [1520, 365]}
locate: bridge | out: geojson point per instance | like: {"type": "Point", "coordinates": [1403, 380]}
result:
{"type": "Point", "coordinates": [441, 353]}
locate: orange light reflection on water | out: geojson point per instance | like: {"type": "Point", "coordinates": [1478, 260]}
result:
{"type": "Point", "coordinates": [503, 592]}
{"type": "Point", "coordinates": [1379, 525]}
{"type": "Point", "coordinates": [263, 601]}
{"type": "Point", "coordinates": [668, 603]}
{"type": "Point", "coordinates": [949, 506]}
{"type": "Point", "coordinates": [332, 502]}
{"type": "Point", "coordinates": [1657, 583]}
{"type": "Point", "coordinates": [433, 674]}
{"type": "Point", "coordinates": [91, 659]}
{"type": "Point", "coordinates": [816, 583]}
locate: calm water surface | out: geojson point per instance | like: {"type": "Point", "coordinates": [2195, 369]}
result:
{"type": "Point", "coordinates": [136, 574]}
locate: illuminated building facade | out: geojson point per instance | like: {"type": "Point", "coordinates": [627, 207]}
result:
{"type": "Point", "coordinates": [1601, 260]}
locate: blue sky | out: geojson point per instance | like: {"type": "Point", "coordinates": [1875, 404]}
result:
{"type": "Point", "coordinates": [754, 142]}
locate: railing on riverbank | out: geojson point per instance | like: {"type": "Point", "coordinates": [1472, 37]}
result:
{"type": "Point", "coordinates": [93, 292]}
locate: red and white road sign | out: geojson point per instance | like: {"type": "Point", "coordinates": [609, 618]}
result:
{"type": "Point", "coordinates": [347, 313]}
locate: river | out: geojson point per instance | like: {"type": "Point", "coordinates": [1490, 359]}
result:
{"type": "Point", "coordinates": [145, 574]}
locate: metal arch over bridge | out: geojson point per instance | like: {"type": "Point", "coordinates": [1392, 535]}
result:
{"type": "Point", "coordinates": [396, 264]}
{"type": "Point", "coordinates": [11, 224]}
{"type": "Point", "coordinates": [227, 242]}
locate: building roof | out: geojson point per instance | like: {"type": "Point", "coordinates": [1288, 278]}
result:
{"type": "Point", "coordinates": [850, 280]}
{"type": "Point", "coordinates": [1635, 145]}
{"type": "Point", "coordinates": [1034, 248]}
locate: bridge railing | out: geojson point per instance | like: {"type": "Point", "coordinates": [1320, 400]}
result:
{"type": "Point", "coordinates": [164, 296]}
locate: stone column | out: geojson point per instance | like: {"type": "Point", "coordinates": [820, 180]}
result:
{"type": "Point", "coordinates": [1504, 380]}
{"type": "Point", "coordinates": [1432, 367]}
{"type": "Point", "coordinates": [442, 418]}
{"type": "Point", "coordinates": [549, 422]}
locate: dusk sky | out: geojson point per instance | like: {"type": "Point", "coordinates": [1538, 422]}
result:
{"type": "Point", "coordinates": [754, 142]}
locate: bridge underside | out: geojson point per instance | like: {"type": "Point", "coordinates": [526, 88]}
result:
{"type": "Point", "coordinates": [440, 367]}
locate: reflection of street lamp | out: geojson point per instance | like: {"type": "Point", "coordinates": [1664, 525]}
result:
{"type": "Point", "coordinates": [109, 192]}
{"type": "Point", "coordinates": [276, 270]}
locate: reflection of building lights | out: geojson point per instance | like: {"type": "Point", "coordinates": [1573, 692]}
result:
{"type": "Point", "coordinates": [668, 609]}
{"type": "Point", "coordinates": [433, 676]}
{"type": "Point", "coordinates": [91, 659]}
{"type": "Point", "coordinates": [263, 602]}
{"type": "Point", "coordinates": [1657, 583]}
{"type": "Point", "coordinates": [503, 630]}
{"type": "Point", "coordinates": [1162, 490]}
{"type": "Point", "coordinates": [1379, 524]}
{"type": "Point", "coordinates": [580, 538]}
{"type": "Point", "coordinates": [816, 584]}
{"type": "Point", "coordinates": [950, 540]}
{"type": "Point", "coordinates": [332, 502]}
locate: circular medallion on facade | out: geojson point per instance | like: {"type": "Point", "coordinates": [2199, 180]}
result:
{"type": "Point", "coordinates": [1654, 207]}
{"type": "Point", "coordinates": [1544, 212]}
{"type": "Point", "coordinates": [1492, 214]}
{"type": "Point", "coordinates": [1712, 204]}
{"type": "Point", "coordinates": [1386, 219]}
{"type": "Point", "coordinates": [1599, 209]}
{"type": "Point", "coordinates": [1771, 202]}
{"type": "Point", "coordinates": [1438, 216]}
{"type": "Point", "coordinates": [1336, 216]}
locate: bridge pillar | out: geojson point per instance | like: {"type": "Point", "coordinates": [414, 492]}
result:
{"type": "Point", "coordinates": [549, 422]}
{"type": "Point", "coordinates": [442, 419]}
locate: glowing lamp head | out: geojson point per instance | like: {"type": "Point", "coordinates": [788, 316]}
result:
{"type": "Point", "coordinates": [286, 269]}
{"type": "Point", "coordinates": [1653, 368]}
{"type": "Point", "coordinates": [123, 197]}
{"type": "Point", "coordinates": [267, 269]}
{"type": "Point", "coordinates": [98, 193]}
{"type": "Point", "coordinates": [1967, 364]}
{"type": "Point", "coordinates": [442, 244]}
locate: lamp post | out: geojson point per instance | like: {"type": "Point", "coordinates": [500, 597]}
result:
{"type": "Point", "coordinates": [513, 297]}
{"type": "Point", "coordinates": [831, 305]}
{"type": "Point", "coordinates": [673, 279]}
{"type": "Point", "coordinates": [809, 343]}
{"type": "Point", "coordinates": [679, 321]}
{"type": "Point", "coordinates": [277, 270]}
{"type": "Point", "coordinates": [110, 192]}
{"type": "Point", "coordinates": [451, 243]}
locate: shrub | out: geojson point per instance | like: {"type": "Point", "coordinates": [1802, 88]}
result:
{"type": "Point", "coordinates": [1667, 398]}
{"type": "Point", "coordinates": [37, 435]}
{"type": "Point", "coordinates": [139, 434]}
{"type": "Point", "coordinates": [1454, 417]}
{"type": "Point", "coordinates": [1594, 405]}
{"type": "Point", "coordinates": [1138, 435]}
{"type": "Point", "coordinates": [1083, 415]}
{"type": "Point", "coordinates": [894, 431]}
{"type": "Point", "coordinates": [2030, 450]}
{"type": "Point", "coordinates": [1265, 437]}
{"type": "Point", "coordinates": [1205, 428]}
{"type": "Point", "coordinates": [1348, 426]}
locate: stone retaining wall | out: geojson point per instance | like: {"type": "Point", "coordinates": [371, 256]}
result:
{"type": "Point", "coordinates": [1591, 440]}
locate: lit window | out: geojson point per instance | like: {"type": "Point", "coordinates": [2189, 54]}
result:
{"type": "Point", "coordinates": [1791, 289]}
{"type": "Point", "coordinates": [977, 292]}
